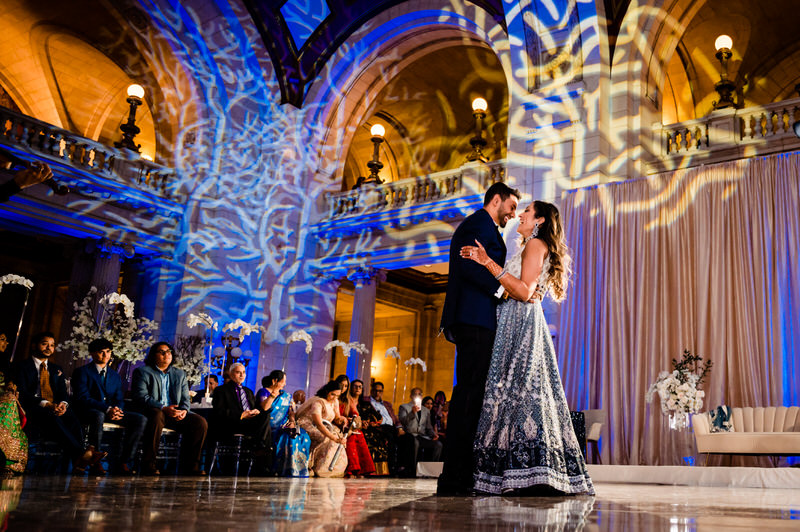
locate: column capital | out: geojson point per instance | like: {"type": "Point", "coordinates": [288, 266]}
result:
{"type": "Point", "coordinates": [107, 248]}
{"type": "Point", "coordinates": [365, 275]}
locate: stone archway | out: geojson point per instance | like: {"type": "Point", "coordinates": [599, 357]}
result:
{"type": "Point", "coordinates": [343, 97]}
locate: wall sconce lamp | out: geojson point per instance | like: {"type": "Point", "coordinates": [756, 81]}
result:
{"type": "Point", "coordinates": [724, 87]}
{"type": "Point", "coordinates": [130, 129]}
{"type": "Point", "coordinates": [377, 131]}
{"type": "Point", "coordinates": [477, 142]}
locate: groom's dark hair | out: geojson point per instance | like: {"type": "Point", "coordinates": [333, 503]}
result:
{"type": "Point", "coordinates": [503, 190]}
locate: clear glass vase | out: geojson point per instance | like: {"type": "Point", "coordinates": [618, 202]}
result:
{"type": "Point", "coordinates": [679, 421]}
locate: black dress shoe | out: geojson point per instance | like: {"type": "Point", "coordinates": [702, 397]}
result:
{"type": "Point", "coordinates": [123, 470]}
{"type": "Point", "coordinates": [150, 471]}
{"type": "Point", "coordinates": [97, 469]}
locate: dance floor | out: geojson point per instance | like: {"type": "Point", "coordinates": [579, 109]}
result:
{"type": "Point", "coordinates": [223, 503]}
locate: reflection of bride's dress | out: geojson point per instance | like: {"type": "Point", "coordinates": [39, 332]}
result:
{"type": "Point", "coordinates": [525, 436]}
{"type": "Point", "coordinates": [553, 514]}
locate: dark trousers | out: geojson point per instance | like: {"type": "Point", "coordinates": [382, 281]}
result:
{"type": "Point", "coordinates": [66, 429]}
{"type": "Point", "coordinates": [390, 433]}
{"type": "Point", "coordinates": [192, 428]}
{"type": "Point", "coordinates": [258, 428]}
{"type": "Point", "coordinates": [412, 447]}
{"type": "Point", "coordinates": [133, 422]}
{"type": "Point", "coordinates": [473, 355]}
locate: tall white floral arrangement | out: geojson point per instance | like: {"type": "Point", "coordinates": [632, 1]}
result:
{"type": "Point", "coordinates": [301, 336]}
{"type": "Point", "coordinates": [392, 352]}
{"type": "Point", "coordinates": [15, 279]}
{"type": "Point", "coordinates": [245, 329]}
{"type": "Point", "coordinates": [130, 337]}
{"type": "Point", "coordinates": [190, 353]}
{"type": "Point", "coordinates": [416, 362]}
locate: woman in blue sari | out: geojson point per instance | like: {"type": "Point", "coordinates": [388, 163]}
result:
{"type": "Point", "coordinates": [292, 444]}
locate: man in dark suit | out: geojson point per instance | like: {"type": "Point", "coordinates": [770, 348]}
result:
{"type": "Point", "coordinates": [43, 396]}
{"type": "Point", "coordinates": [160, 391]}
{"type": "Point", "coordinates": [469, 320]}
{"type": "Point", "coordinates": [236, 412]}
{"type": "Point", "coordinates": [97, 390]}
{"type": "Point", "coordinates": [419, 433]}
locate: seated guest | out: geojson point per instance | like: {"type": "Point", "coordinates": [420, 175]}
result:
{"type": "Point", "coordinates": [13, 440]}
{"type": "Point", "coordinates": [359, 459]}
{"type": "Point", "coordinates": [439, 414]}
{"type": "Point", "coordinates": [210, 383]}
{"type": "Point", "coordinates": [160, 391]}
{"type": "Point", "coordinates": [416, 421]}
{"type": "Point", "coordinates": [236, 411]}
{"type": "Point", "coordinates": [43, 397]}
{"type": "Point", "coordinates": [388, 430]}
{"type": "Point", "coordinates": [328, 456]}
{"type": "Point", "coordinates": [293, 444]}
{"type": "Point", "coordinates": [299, 397]}
{"type": "Point", "coordinates": [97, 390]}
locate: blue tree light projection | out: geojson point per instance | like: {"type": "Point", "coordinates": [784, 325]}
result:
{"type": "Point", "coordinates": [251, 233]}
{"type": "Point", "coordinates": [303, 17]}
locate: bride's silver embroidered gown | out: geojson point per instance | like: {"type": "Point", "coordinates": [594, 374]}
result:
{"type": "Point", "coordinates": [525, 436]}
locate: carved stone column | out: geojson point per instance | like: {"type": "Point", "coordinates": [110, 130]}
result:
{"type": "Point", "coordinates": [362, 328]}
{"type": "Point", "coordinates": [108, 257]}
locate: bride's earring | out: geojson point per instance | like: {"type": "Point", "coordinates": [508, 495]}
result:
{"type": "Point", "coordinates": [535, 231]}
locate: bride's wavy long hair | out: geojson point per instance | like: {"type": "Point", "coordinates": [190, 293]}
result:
{"type": "Point", "coordinates": [551, 233]}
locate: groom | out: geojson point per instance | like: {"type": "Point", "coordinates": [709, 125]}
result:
{"type": "Point", "coordinates": [469, 321]}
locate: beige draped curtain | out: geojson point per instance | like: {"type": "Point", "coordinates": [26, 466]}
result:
{"type": "Point", "coordinates": [706, 259]}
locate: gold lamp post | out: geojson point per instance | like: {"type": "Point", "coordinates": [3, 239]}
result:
{"type": "Point", "coordinates": [477, 142]}
{"type": "Point", "coordinates": [724, 87]}
{"type": "Point", "coordinates": [129, 128]}
{"type": "Point", "coordinates": [377, 132]}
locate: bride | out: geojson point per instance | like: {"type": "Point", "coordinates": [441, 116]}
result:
{"type": "Point", "coordinates": [525, 437]}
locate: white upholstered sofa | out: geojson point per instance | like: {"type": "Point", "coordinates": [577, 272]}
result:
{"type": "Point", "coordinates": [769, 431]}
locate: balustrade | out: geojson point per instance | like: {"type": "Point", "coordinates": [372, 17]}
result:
{"type": "Point", "coordinates": [407, 192]}
{"type": "Point", "coordinates": [85, 154]}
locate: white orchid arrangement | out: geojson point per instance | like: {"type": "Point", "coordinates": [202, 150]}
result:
{"type": "Point", "coordinates": [202, 319]}
{"type": "Point", "coordinates": [338, 343]}
{"type": "Point", "coordinates": [392, 352]}
{"type": "Point", "coordinates": [245, 329]}
{"type": "Point", "coordinates": [347, 347]}
{"type": "Point", "coordinates": [301, 335]}
{"type": "Point", "coordinates": [416, 361]}
{"type": "Point", "coordinates": [679, 390]}
{"type": "Point", "coordinates": [114, 299]}
{"type": "Point", "coordinates": [130, 337]}
{"type": "Point", "coordinates": [15, 279]}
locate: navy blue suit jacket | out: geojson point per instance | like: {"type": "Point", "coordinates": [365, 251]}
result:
{"type": "Point", "coordinates": [470, 296]}
{"type": "Point", "coordinates": [26, 377]}
{"type": "Point", "coordinates": [146, 388]}
{"type": "Point", "coordinates": [89, 392]}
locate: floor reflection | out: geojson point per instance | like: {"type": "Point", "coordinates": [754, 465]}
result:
{"type": "Point", "coordinates": [63, 503]}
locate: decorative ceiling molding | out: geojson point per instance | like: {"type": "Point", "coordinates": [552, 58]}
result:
{"type": "Point", "coordinates": [296, 69]}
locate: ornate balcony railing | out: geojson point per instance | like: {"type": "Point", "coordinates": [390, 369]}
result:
{"type": "Point", "coordinates": [726, 135]}
{"type": "Point", "coordinates": [412, 191]}
{"type": "Point", "coordinates": [124, 166]}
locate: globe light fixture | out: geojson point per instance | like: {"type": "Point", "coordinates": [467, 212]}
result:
{"type": "Point", "coordinates": [724, 87]}
{"type": "Point", "coordinates": [130, 129]}
{"type": "Point", "coordinates": [377, 131]}
{"type": "Point", "coordinates": [479, 107]}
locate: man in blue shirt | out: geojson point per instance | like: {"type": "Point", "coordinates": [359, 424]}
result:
{"type": "Point", "coordinates": [160, 391]}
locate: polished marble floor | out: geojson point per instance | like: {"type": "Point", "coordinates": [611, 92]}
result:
{"type": "Point", "coordinates": [55, 503]}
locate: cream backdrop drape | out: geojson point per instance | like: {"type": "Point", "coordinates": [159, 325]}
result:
{"type": "Point", "coordinates": [706, 259]}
